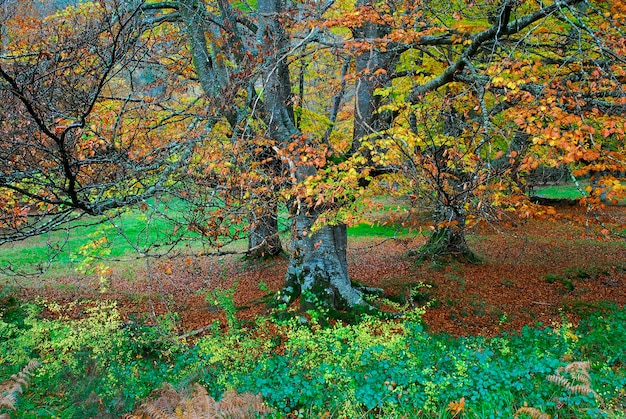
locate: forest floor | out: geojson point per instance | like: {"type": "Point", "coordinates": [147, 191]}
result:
{"type": "Point", "coordinates": [532, 271]}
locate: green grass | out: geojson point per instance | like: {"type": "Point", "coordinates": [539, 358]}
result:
{"type": "Point", "coordinates": [125, 235]}
{"type": "Point", "coordinates": [563, 191]}
{"type": "Point", "coordinates": [377, 230]}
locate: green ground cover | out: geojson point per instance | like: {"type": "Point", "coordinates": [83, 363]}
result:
{"type": "Point", "coordinates": [65, 249]}
{"type": "Point", "coordinates": [99, 366]}
{"type": "Point", "coordinates": [102, 366]}
{"type": "Point", "coordinates": [567, 190]}
{"type": "Point", "coordinates": [561, 191]}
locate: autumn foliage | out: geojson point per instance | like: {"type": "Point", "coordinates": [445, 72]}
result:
{"type": "Point", "coordinates": [250, 114]}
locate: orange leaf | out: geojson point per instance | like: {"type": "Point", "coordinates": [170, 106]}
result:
{"type": "Point", "coordinates": [456, 407]}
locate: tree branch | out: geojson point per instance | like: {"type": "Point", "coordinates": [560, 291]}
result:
{"type": "Point", "coordinates": [477, 41]}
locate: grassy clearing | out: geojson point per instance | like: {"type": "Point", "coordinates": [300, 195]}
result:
{"type": "Point", "coordinates": [378, 230]}
{"type": "Point", "coordinates": [125, 236]}
{"type": "Point", "coordinates": [135, 232]}
{"type": "Point", "coordinates": [561, 191]}
{"type": "Point", "coordinates": [565, 191]}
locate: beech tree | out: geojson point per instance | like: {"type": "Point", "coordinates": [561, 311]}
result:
{"type": "Point", "coordinates": [310, 105]}
{"type": "Point", "coordinates": [512, 85]}
{"type": "Point", "coordinates": [396, 57]}
{"type": "Point", "coordinates": [87, 127]}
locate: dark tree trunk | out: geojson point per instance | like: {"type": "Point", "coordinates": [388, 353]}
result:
{"type": "Point", "coordinates": [263, 239]}
{"type": "Point", "coordinates": [318, 269]}
{"type": "Point", "coordinates": [213, 75]}
{"type": "Point", "coordinates": [367, 120]}
{"type": "Point", "coordinates": [452, 187]}
{"type": "Point", "coordinates": [599, 188]}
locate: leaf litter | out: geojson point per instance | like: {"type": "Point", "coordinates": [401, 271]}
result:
{"type": "Point", "coordinates": [533, 272]}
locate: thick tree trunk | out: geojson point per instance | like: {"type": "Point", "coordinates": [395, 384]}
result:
{"type": "Point", "coordinates": [452, 187]}
{"type": "Point", "coordinates": [318, 269]}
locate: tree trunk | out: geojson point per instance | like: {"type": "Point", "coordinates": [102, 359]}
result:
{"type": "Point", "coordinates": [599, 188]}
{"type": "Point", "coordinates": [452, 187]}
{"type": "Point", "coordinates": [447, 241]}
{"type": "Point", "coordinates": [318, 269]}
{"type": "Point", "coordinates": [213, 76]}
{"type": "Point", "coordinates": [263, 239]}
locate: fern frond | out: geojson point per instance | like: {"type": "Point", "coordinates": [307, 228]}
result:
{"type": "Point", "coordinates": [532, 412]}
{"type": "Point", "coordinates": [579, 381]}
{"type": "Point", "coordinates": [583, 390]}
{"type": "Point", "coordinates": [195, 403]}
{"type": "Point", "coordinates": [579, 371]}
{"type": "Point", "coordinates": [154, 411]}
{"type": "Point", "coordinates": [9, 401]}
{"type": "Point", "coordinates": [241, 406]}
{"type": "Point", "coordinates": [559, 380]}
{"type": "Point", "coordinates": [185, 410]}
{"type": "Point", "coordinates": [186, 383]}
{"type": "Point", "coordinates": [168, 393]}
{"type": "Point", "coordinates": [577, 366]}
{"type": "Point", "coordinates": [204, 405]}
{"type": "Point", "coordinates": [582, 377]}
{"type": "Point", "coordinates": [14, 386]}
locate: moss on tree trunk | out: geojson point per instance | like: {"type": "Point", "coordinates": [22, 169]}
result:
{"type": "Point", "coordinates": [446, 243]}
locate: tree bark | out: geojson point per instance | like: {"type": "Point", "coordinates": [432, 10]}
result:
{"type": "Point", "coordinates": [367, 120]}
{"type": "Point", "coordinates": [452, 187]}
{"type": "Point", "coordinates": [447, 241]}
{"type": "Point", "coordinates": [263, 239]}
{"type": "Point", "coordinates": [318, 268]}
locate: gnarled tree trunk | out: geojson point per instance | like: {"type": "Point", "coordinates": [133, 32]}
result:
{"type": "Point", "coordinates": [448, 238]}
{"type": "Point", "coordinates": [318, 269]}
{"type": "Point", "coordinates": [213, 75]}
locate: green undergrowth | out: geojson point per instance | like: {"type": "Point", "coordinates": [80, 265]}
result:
{"type": "Point", "coordinates": [94, 364]}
